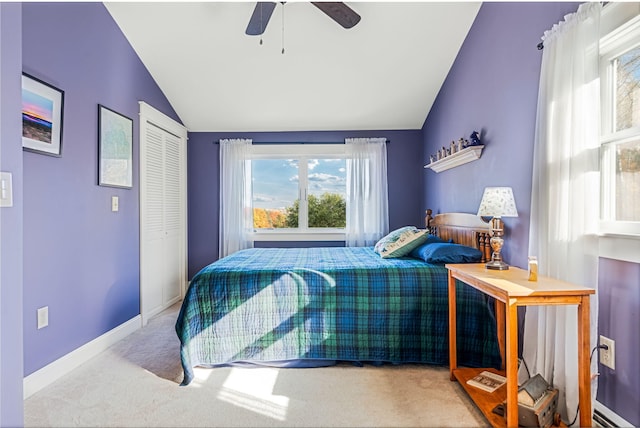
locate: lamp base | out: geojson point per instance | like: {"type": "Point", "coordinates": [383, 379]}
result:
{"type": "Point", "coordinates": [497, 242]}
{"type": "Point", "coordinates": [497, 265]}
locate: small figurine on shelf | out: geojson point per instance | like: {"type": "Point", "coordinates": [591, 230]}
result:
{"type": "Point", "coordinates": [432, 158]}
{"type": "Point", "coordinates": [461, 144]}
{"type": "Point", "coordinates": [444, 152]}
{"type": "Point", "coordinates": [453, 147]}
{"type": "Point", "coordinates": [475, 138]}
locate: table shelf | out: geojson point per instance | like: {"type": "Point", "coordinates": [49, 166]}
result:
{"type": "Point", "coordinates": [485, 401]}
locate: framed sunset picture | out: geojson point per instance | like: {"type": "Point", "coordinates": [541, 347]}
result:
{"type": "Point", "coordinates": [42, 106]}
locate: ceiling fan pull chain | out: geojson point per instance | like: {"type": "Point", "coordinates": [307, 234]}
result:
{"type": "Point", "coordinates": [283, 28]}
{"type": "Point", "coordinates": [261, 25]}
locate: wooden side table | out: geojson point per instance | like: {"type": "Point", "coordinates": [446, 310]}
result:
{"type": "Point", "coordinates": [512, 288]}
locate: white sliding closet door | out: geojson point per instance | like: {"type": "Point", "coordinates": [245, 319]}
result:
{"type": "Point", "coordinates": [163, 229]}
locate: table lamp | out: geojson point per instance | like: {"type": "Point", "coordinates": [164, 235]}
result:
{"type": "Point", "coordinates": [497, 202]}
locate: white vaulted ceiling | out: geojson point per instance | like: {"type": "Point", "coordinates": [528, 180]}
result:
{"type": "Point", "coordinates": [384, 73]}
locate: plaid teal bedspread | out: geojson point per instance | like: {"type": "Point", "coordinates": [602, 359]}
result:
{"type": "Point", "coordinates": [347, 304]}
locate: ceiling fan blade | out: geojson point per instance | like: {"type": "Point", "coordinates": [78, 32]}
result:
{"type": "Point", "coordinates": [339, 12]}
{"type": "Point", "coordinates": [260, 18]}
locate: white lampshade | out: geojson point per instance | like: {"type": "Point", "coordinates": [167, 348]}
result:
{"type": "Point", "coordinates": [498, 202]}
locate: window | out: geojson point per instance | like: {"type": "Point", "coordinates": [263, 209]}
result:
{"type": "Point", "coordinates": [620, 143]}
{"type": "Point", "coordinates": [298, 189]}
{"type": "Point", "coordinates": [274, 192]}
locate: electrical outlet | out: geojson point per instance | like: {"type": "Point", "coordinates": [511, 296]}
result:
{"type": "Point", "coordinates": [43, 317]}
{"type": "Point", "coordinates": [608, 356]}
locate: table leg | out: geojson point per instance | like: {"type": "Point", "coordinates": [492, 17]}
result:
{"type": "Point", "coordinates": [512, 362]}
{"type": "Point", "coordinates": [453, 351]}
{"type": "Point", "coordinates": [584, 367]}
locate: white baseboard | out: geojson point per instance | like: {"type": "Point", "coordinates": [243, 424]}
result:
{"type": "Point", "coordinates": [146, 317]}
{"type": "Point", "coordinates": [617, 420]}
{"type": "Point", "coordinates": [65, 364]}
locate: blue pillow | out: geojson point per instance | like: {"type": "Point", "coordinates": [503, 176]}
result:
{"type": "Point", "coordinates": [433, 239]}
{"type": "Point", "coordinates": [446, 252]}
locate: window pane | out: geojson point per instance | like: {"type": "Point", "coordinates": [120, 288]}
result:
{"type": "Point", "coordinates": [327, 180]}
{"type": "Point", "coordinates": [275, 193]}
{"type": "Point", "coordinates": [627, 102]}
{"type": "Point", "coordinates": [628, 181]}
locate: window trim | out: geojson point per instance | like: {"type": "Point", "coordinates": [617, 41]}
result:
{"type": "Point", "coordinates": [619, 247]}
{"type": "Point", "coordinates": [618, 22]}
{"type": "Point", "coordinates": [620, 39]}
{"type": "Point", "coordinates": [301, 151]}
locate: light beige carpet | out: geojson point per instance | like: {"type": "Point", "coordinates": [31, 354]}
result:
{"type": "Point", "coordinates": [136, 383]}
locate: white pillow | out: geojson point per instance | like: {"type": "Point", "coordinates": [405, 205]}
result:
{"type": "Point", "coordinates": [406, 242]}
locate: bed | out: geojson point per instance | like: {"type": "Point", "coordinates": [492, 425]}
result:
{"type": "Point", "coordinates": [311, 307]}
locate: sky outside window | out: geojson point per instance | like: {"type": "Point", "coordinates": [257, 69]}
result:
{"type": "Point", "coordinates": [275, 181]}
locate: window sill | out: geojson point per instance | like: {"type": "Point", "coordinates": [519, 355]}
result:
{"type": "Point", "coordinates": [617, 235]}
{"type": "Point", "coordinates": [619, 247]}
{"type": "Point", "coordinates": [298, 236]}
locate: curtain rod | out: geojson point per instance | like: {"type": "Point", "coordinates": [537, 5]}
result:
{"type": "Point", "coordinates": [309, 142]}
{"type": "Point", "coordinates": [540, 45]}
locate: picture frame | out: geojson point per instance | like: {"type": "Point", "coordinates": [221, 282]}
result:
{"type": "Point", "coordinates": [115, 149]}
{"type": "Point", "coordinates": [42, 112]}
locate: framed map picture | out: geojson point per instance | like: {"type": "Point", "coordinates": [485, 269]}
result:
{"type": "Point", "coordinates": [42, 106]}
{"type": "Point", "coordinates": [115, 151]}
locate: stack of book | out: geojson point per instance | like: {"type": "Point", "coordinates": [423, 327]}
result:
{"type": "Point", "coordinates": [487, 381]}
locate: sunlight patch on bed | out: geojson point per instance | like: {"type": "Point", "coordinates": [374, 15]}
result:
{"type": "Point", "coordinates": [329, 281]}
{"type": "Point", "coordinates": [252, 389]}
{"type": "Point", "coordinates": [267, 298]}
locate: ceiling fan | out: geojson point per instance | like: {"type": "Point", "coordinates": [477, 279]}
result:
{"type": "Point", "coordinates": [338, 11]}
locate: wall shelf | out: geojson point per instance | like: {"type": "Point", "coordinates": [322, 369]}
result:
{"type": "Point", "coordinates": [465, 155]}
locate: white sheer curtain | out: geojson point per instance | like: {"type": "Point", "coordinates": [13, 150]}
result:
{"type": "Point", "coordinates": [565, 197]}
{"type": "Point", "coordinates": [235, 196]}
{"type": "Point", "coordinates": [367, 195]}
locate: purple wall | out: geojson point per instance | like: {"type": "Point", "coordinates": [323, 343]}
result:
{"type": "Point", "coordinates": [404, 164]}
{"type": "Point", "coordinates": [493, 86]}
{"type": "Point", "coordinates": [11, 223]}
{"type": "Point", "coordinates": [81, 259]}
{"type": "Point", "coordinates": [497, 68]}
{"type": "Point", "coordinates": [619, 300]}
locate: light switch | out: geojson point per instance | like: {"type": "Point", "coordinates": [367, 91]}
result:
{"type": "Point", "coordinates": [6, 190]}
{"type": "Point", "coordinates": [114, 203]}
{"type": "Point", "coordinates": [43, 317]}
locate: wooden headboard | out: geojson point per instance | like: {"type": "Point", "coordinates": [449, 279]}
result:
{"type": "Point", "coordinates": [463, 228]}
{"type": "Point", "coordinates": [470, 230]}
